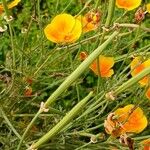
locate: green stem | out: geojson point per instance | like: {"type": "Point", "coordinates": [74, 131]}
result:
{"type": "Point", "coordinates": [10, 125]}
{"type": "Point", "coordinates": [97, 4]}
{"type": "Point", "coordinates": [10, 30]}
{"type": "Point", "coordinates": [72, 68]}
{"type": "Point", "coordinates": [81, 68]}
{"type": "Point", "coordinates": [58, 127]}
{"type": "Point", "coordinates": [87, 130]}
{"type": "Point", "coordinates": [32, 115]}
{"type": "Point", "coordinates": [132, 81]}
{"type": "Point", "coordinates": [74, 75]}
{"type": "Point", "coordinates": [12, 45]}
{"type": "Point", "coordinates": [129, 25]}
{"type": "Point", "coordinates": [5, 8]}
{"type": "Point", "coordinates": [144, 51]}
{"type": "Point", "coordinates": [142, 138]}
{"type": "Point", "coordinates": [27, 129]}
{"type": "Point", "coordinates": [88, 111]}
{"type": "Point", "coordinates": [85, 6]}
{"type": "Point", "coordinates": [111, 9]}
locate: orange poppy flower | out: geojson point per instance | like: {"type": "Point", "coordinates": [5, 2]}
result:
{"type": "Point", "coordinates": [64, 28]}
{"type": "Point", "coordinates": [137, 66]}
{"type": "Point", "coordinates": [128, 4]}
{"type": "Point", "coordinates": [148, 7]}
{"type": "Point", "coordinates": [146, 144]}
{"type": "Point", "coordinates": [105, 65]}
{"type": "Point", "coordinates": [10, 5]}
{"type": "Point", "coordinates": [90, 21]}
{"type": "Point", "coordinates": [148, 93]}
{"type": "Point", "coordinates": [124, 121]}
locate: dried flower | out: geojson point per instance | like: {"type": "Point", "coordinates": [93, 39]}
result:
{"type": "Point", "coordinates": [9, 5]}
{"type": "Point", "coordinates": [3, 29]}
{"type": "Point", "coordinates": [105, 65]}
{"type": "Point", "coordinates": [137, 65]}
{"type": "Point", "coordinates": [128, 4]}
{"type": "Point", "coordinates": [64, 28]}
{"type": "Point", "coordinates": [111, 126]}
{"type": "Point", "coordinates": [90, 21]}
{"type": "Point", "coordinates": [123, 121]}
{"type": "Point", "coordinates": [127, 141]}
{"type": "Point", "coordinates": [139, 15]}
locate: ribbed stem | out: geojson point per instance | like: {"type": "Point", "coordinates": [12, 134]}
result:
{"type": "Point", "coordinates": [73, 77]}
{"type": "Point", "coordinates": [59, 126]}
{"type": "Point", "coordinates": [111, 9]}
{"type": "Point", "coordinates": [81, 68]}
{"type": "Point", "coordinates": [132, 81]}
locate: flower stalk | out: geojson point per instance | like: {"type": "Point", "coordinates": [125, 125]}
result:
{"type": "Point", "coordinates": [81, 68]}
{"type": "Point", "coordinates": [111, 9]}
{"type": "Point", "coordinates": [59, 126]}
{"type": "Point", "coordinates": [132, 81]}
{"type": "Point", "coordinates": [70, 79]}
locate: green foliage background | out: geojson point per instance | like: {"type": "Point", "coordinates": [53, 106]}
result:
{"type": "Point", "coordinates": [47, 65]}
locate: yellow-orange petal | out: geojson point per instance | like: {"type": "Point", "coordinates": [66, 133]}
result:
{"type": "Point", "coordinates": [94, 67]}
{"type": "Point", "coordinates": [1, 9]}
{"type": "Point", "coordinates": [53, 35]}
{"type": "Point", "coordinates": [128, 120]}
{"type": "Point", "coordinates": [108, 74]}
{"type": "Point", "coordinates": [137, 66]}
{"type": "Point", "coordinates": [147, 63]}
{"type": "Point", "coordinates": [128, 4]}
{"type": "Point", "coordinates": [13, 3]}
{"type": "Point", "coordinates": [148, 93]}
{"type": "Point", "coordinates": [64, 28]}
{"type": "Point", "coordinates": [86, 27]}
{"type": "Point", "coordinates": [90, 21]}
{"type": "Point", "coordinates": [63, 23]}
{"type": "Point", "coordinates": [146, 144]}
{"type": "Point", "coordinates": [148, 7]}
{"type": "Point", "coordinates": [144, 81]}
{"type": "Point", "coordinates": [89, 27]}
{"type": "Point", "coordinates": [135, 62]}
{"type": "Point", "coordinates": [76, 31]}
{"type": "Point", "coordinates": [66, 24]}
{"type": "Point", "coordinates": [10, 5]}
{"type": "Point", "coordinates": [105, 65]}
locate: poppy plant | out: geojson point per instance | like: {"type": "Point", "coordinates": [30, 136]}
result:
{"type": "Point", "coordinates": [90, 21]}
{"type": "Point", "coordinates": [123, 121]}
{"type": "Point", "coordinates": [10, 5]}
{"type": "Point", "coordinates": [137, 65]}
{"type": "Point", "coordinates": [64, 28]}
{"type": "Point", "coordinates": [105, 65]}
{"type": "Point", "coordinates": [128, 4]}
